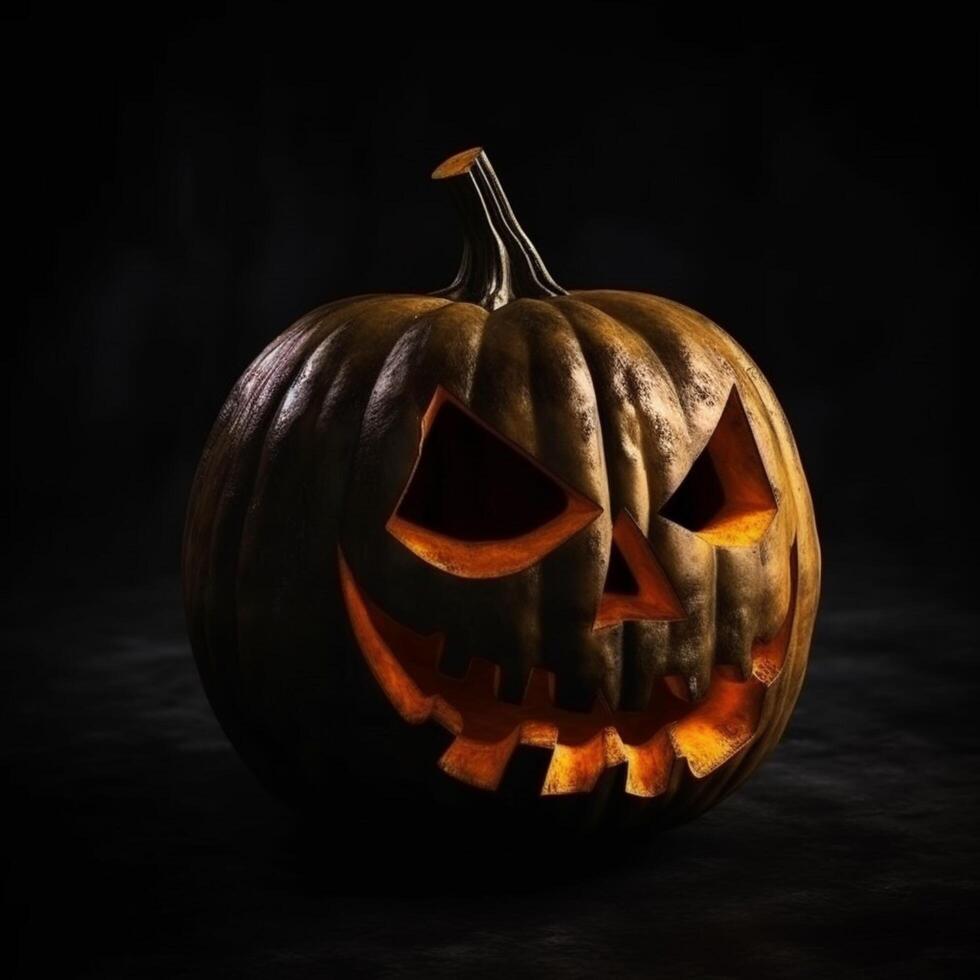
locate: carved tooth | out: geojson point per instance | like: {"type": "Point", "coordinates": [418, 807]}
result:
{"type": "Point", "coordinates": [575, 768]}
{"type": "Point", "coordinates": [613, 747]}
{"type": "Point", "coordinates": [649, 765]}
{"type": "Point", "coordinates": [540, 690]}
{"type": "Point", "coordinates": [720, 727]}
{"type": "Point", "coordinates": [479, 764]}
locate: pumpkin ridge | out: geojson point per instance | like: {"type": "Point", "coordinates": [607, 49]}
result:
{"type": "Point", "coordinates": [692, 662]}
{"type": "Point", "coordinates": [590, 352]}
{"type": "Point", "coordinates": [348, 316]}
{"type": "Point", "coordinates": [233, 506]}
{"type": "Point", "coordinates": [527, 586]}
{"type": "Point", "coordinates": [397, 334]}
{"type": "Point", "coordinates": [608, 660]}
{"type": "Point", "coordinates": [767, 412]}
{"type": "Point", "coordinates": [646, 314]}
{"type": "Point", "coordinates": [275, 442]}
{"type": "Point", "coordinates": [665, 370]}
{"type": "Point", "coordinates": [213, 456]}
{"type": "Point", "coordinates": [697, 669]}
{"type": "Point", "coordinates": [451, 309]}
{"type": "Point", "coordinates": [612, 692]}
{"type": "Point", "coordinates": [205, 492]}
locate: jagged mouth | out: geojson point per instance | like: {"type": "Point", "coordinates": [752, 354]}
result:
{"type": "Point", "coordinates": [487, 731]}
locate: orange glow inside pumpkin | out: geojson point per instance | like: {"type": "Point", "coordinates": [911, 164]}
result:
{"type": "Point", "coordinates": [487, 731]}
{"type": "Point", "coordinates": [726, 496]}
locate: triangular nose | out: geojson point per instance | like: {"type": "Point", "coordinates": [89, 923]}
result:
{"type": "Point", "coordinates": [636, 586]}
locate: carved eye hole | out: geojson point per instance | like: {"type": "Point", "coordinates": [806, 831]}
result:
{"type": "Point", "coordinates": [477, 505]}
{"type": "Point", "coordinates": [726, 496]}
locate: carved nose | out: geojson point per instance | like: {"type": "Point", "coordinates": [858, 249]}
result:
{"type": "Point", "coordinates": [636, 585]}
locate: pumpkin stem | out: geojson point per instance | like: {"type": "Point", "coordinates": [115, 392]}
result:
{"type": "Point", "coordinates": [499, 263]}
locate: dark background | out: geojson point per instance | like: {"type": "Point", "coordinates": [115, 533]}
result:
{"type": "Point", "coordinates": [178, 190]}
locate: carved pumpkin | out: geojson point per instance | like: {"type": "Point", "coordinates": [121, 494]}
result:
{"type": "Point", "coordinates": [533, 544]}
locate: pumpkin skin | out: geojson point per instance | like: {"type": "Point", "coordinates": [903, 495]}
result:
{"type": "Point", "coordinates": [307, 597]}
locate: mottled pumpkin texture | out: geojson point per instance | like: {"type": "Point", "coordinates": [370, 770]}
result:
{"type": "Point", "coordinates": [364, 599]}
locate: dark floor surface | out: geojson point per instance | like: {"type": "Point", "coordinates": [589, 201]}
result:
{"type": "Point", "coordinates": [137, 845]}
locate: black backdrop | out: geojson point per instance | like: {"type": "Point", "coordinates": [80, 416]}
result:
{"type": "Point", "coordinates": [189, 189]}
{"type": "Point", "coordinates": [178, 190]}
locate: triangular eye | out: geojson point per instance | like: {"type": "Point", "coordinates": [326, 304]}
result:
{"type": "Point", "coordinates": [726, 496]}
{"type": "Point", "coordinates": [636, 586]}
{"type": "Point", "coordinates": [477, 505]}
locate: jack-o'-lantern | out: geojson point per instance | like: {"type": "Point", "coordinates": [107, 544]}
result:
{"type": "Point", "coordinates": [567, 532]}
